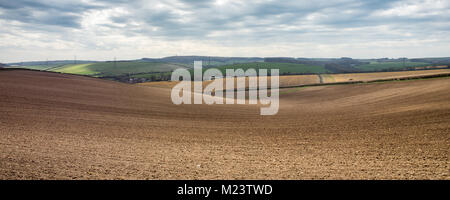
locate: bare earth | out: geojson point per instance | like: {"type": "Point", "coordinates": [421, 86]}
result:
{"type": "Point", "coordinates": [56, 126]}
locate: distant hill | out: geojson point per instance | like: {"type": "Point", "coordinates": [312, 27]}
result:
{"type": "Point", "coordinates": [123, 71]}
{"type": "Point", "coordinates": [159, 69]}
{"type": "Point", "coordinates": [207, 60]}
{"type": "Point", "coordinates": [47, 65]}
{"type": "Point", "coordinates": [350, 65]}
{"type": "Point", "coordinates": [434, 61]}
{"type": "Point", "coordinates": [3, 65]}
{"type": "Point", "coordinates": [284, 68]}
{"type": "Point", "coordinates": [52, 62]}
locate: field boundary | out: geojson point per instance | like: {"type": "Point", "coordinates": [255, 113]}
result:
{"type": "Point", "coordinates": [360, 82]}
{"type": "Point", "coordinates": [374, 81]}
{"type": "Point", "coordinates": [281, 87]}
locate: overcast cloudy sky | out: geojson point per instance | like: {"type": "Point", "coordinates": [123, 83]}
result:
{"type": "Point", "coordinates": [102, 30]}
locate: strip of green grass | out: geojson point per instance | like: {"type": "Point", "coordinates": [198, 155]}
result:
{"type": "Point", "coordinates": [35, 67]}
{"type": "Point", "coordinates": [106, 69]}
{"type": "Point", "coordinates": [284, 68]}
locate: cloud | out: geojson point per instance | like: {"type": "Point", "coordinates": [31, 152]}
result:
{"type": "Point", "coordinates": [133, 29]}
{"type": "Point", "coordinates": [47, 12]}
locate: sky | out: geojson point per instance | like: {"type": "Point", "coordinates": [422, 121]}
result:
{"type": "Point", "coordinates": [104, 29]}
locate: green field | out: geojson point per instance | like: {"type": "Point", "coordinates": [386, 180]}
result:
{"type": "Point", "coordinates": [135, 71]}
{"type": "Point", "coordinates": [105, 69]}
{"type": "Point", "coordinates": [285, 68]}
{"type": "Point", "coordinates": [35, 67]}
{"type": "Point", "coordinates": [378, 66]}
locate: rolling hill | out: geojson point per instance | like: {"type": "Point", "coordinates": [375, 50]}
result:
{"type": "Point", "coordinates": [159, 69]}
{"type": "Point", "coordinates": [61, 126]}
{"type": "Point", "coordinates": [284, 68]}
{"type": "Point", "coordinates": [110, 69]}
{"type": "Point", "coordinates": [379, 66]}
{"type": "Point", "coordinates": [316, 79]}
{"type": "Point", "coordinates": [209, 61]}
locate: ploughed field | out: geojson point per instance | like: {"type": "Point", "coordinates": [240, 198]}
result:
{"type": "Point", "coordinates": [299, 80]}
{"type": "Point", "coordinates": [57, 126]}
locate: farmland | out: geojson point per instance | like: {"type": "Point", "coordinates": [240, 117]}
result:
{"type": "Point", "coordinates": [36, 67]}
{"type": "Point", "coordinates": [333, 78]}
{"type": "Point", "coordinates": [59, 126]}
{"type": "Point", "coordinates": [379, 66]}
{"type": "Point", "coordinates": [299, 80]}
{"type": "Point", "coordinates": [159, 69]}
{"type": "Point", "coordinates": [285, 68]}
{"type": "Point", "coordinates": [102, 69]}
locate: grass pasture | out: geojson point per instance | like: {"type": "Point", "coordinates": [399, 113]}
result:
{"type": "Point", "coordinates": [105, 69]}
{"type": "Point", "coordinates": [34, 67]}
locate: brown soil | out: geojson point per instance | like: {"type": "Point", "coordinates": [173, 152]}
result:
{"type": "Point", "coordinates": [56, 126]}
{"type": "Point", "coordinates": [334, 78]}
